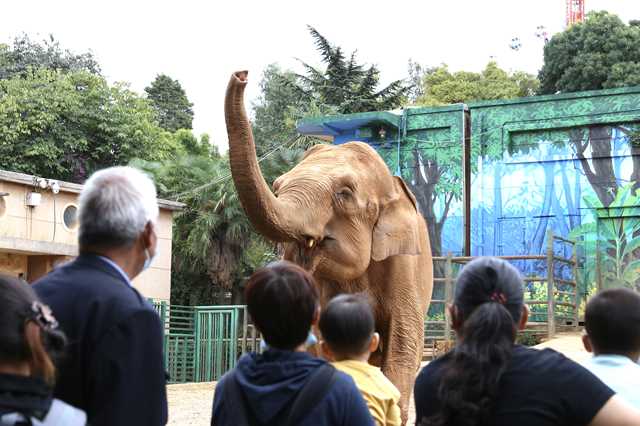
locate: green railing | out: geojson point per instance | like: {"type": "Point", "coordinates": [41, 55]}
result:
{"type": "Point", "coordinates": [201, 343]}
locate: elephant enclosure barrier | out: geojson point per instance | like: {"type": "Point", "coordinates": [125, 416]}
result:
{"type": "Point", "coordinates": [550, 286]}
{"type": "Point", "coordinates": [203, 342]}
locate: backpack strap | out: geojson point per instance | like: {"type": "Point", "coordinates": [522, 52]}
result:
{"type": "Point", "coordinates": [312, 393]}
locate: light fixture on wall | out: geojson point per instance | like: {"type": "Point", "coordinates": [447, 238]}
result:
{"type": "Point", "coordinates": [4, 194]}
{"type": "Point", "coordinates": [41, 183]}
{"type": "Point", "coordinates": [55, 186]}
{"type": "Point", "coordinates": [382, 133]}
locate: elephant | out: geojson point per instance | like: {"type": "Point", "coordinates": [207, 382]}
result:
{"type": "Point", "coordinates": [342, 216]}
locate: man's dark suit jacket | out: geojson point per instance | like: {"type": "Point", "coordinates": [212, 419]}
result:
{"type": "Point", "coordinates": [114, 364]}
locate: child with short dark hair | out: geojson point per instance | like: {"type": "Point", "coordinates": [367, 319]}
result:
{"type": "Point", "coordinates": [348, 332]}
{"type": "Point", "coordinates": [612, 325]}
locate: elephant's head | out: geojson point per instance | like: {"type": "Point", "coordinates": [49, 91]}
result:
{"type": "Point", "coordinates": [339, 207]}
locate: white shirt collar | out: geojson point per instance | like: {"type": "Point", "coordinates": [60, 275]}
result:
{"type": "Point", "coordinates": [117, 268]}
{"type": "Point", "coordinates": [612, 359]}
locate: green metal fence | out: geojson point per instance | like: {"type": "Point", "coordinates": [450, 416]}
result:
{"type": "Point", "coordinates": [201, 343]}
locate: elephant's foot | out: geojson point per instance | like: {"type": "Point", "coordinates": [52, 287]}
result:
{"type": "Point", "coordinates": [403, 378]}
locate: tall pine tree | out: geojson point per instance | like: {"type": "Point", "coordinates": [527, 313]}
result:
{"type": "Point", "coordinates": [171, 103]}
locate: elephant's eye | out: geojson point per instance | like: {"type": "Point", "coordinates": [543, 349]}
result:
{"type": "Point", "coordinates": [345, 192]}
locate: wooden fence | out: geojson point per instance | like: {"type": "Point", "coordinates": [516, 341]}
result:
{"type": "Point", "coordinates": [204, 342]}
{"type": "Point", "coordinates": [553, 275]}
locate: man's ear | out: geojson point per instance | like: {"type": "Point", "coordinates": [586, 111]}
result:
{"type": "Point", "coordinates": [524, 318]}
{"type": "Point", "coordinates": [148, 235]}
{"type": "Point", "coordinates": [396, 230]}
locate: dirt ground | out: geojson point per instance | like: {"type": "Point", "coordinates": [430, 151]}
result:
{"type": "Point", "coordinates": [190, 404]}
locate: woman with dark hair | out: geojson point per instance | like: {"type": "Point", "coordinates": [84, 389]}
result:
{"type": "Point", "coordinates": [285, 385]}
{"type": "Point", "coordinates": [28, 340]}
{"type": "Point", "coordinates": [488, 380]}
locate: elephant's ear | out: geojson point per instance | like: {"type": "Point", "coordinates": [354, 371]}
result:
{"type": "Point", "coordinates": [397, 229]}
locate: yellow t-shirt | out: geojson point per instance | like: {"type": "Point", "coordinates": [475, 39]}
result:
{"type": "Point", "coordinates": [380, 394]}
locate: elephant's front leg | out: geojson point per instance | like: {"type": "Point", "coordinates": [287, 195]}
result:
{"type": "Point", "coordinates": [402, 353]}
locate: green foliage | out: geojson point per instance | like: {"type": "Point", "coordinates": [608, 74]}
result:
{"type": "Point", "coordinates": [171, 103]}
{"type": "Point", "coordinates": [537, 291]}
{"type": "Point", "coordinates": [440, 86]}
{"type": "Point", "coordinates": [527, 338]}
{"type": "Point", "coordinates": [277, 110]}
{"type": "Point", "coordinates": [214, 247]}
{"type": "Point", "coordinates": [25, 54]}
{"type": "Point", "coordinates": [66, 125]}
{"type": "Point", "coordinates": [192, 146]}
{"type": "Point", "coordinates": [345, 84]}
{"type": "Point", "coordinates": [601, 52]}
{"type": "Point", "coordinates": [612, 234]}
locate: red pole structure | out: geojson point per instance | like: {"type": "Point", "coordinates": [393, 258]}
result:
{"type": "Point", "coordinates": [574, 11]}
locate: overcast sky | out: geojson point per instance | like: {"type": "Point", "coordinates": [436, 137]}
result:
{"type": "Point", "coordinates": [201, 42]}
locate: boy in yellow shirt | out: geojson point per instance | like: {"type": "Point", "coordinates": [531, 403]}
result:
{"type": "Point", "coordinates": [347, 327]}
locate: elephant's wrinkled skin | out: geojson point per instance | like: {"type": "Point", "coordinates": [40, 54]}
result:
{"type": "Point", "coordinates": [353, 225]}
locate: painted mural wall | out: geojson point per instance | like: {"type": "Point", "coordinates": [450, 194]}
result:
{"type": "Point", "coordinates": [429, 158]}
{"type": "Point", "coordinates": [567, 164]}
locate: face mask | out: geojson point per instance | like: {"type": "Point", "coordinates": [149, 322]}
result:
{"type": "Point", "coordinates": [311, 340]}
{"type": "Point", "coordinates": [148, 258]}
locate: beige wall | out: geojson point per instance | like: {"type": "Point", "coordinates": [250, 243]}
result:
{"type": "Point", "coordinates": [34, 239]}
{"type": "Point", "coordinates": [156, 281]}
{"type": "Point", "coordinates": [35, 223]}
{"type": "Point", "coordinates": [13, 264]}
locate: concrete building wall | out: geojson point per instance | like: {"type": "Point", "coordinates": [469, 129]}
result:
{"type": "Point", "coordinates": [34, 240]}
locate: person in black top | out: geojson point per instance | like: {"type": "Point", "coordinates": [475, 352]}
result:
{"type": "Point", "coordinates": [487, 380]}
{"type": "Point", "coordinates": [114, 369]}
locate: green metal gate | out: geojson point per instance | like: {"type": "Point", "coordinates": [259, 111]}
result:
{"type": "Point", "coordinates": [216, 341]}
{"type": "Point", "coordinates": [201, 343]}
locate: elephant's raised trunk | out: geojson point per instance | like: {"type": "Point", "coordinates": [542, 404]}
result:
{"type": "Point", "coordinates": [269, 216]}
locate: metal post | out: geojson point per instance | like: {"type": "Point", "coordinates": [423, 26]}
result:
{"type": "Point", "coordinates": [551, 320]}
{"type": "Point", "coordinates": [448, 296]}
{"type": "Point", "coordinates": [244, 329]}
{"type": "Point", "coordinates": [574, 257]}
{"type": "Point", "coordinates": [165, 334]}
{"type": "Point", "coordinates": [196, 336]}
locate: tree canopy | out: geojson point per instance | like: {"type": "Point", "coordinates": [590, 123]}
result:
{"type": "Point", "coordinates": [60, 118]}
{"type": "Point", "coordinates": [171, 103]}
{"type": "Point", "coordinates": [601, 52]}
{"type": "Point", "coordinates": [67, 125]}
{"type": "Point", "coordinates": [440, 86]}
{"type": "Point", "coordinates": [24, 54]}
{"type": "Point", "coordinates": [344, 83]}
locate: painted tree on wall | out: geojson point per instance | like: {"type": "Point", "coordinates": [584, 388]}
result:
{"type": "Point", "coordinates": [431, 161]}
{"type": "Point", "coordinates": [601, 52]}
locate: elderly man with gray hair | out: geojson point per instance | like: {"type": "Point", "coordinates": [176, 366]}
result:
{"type": "Point", "coordinates": [114, 366]}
